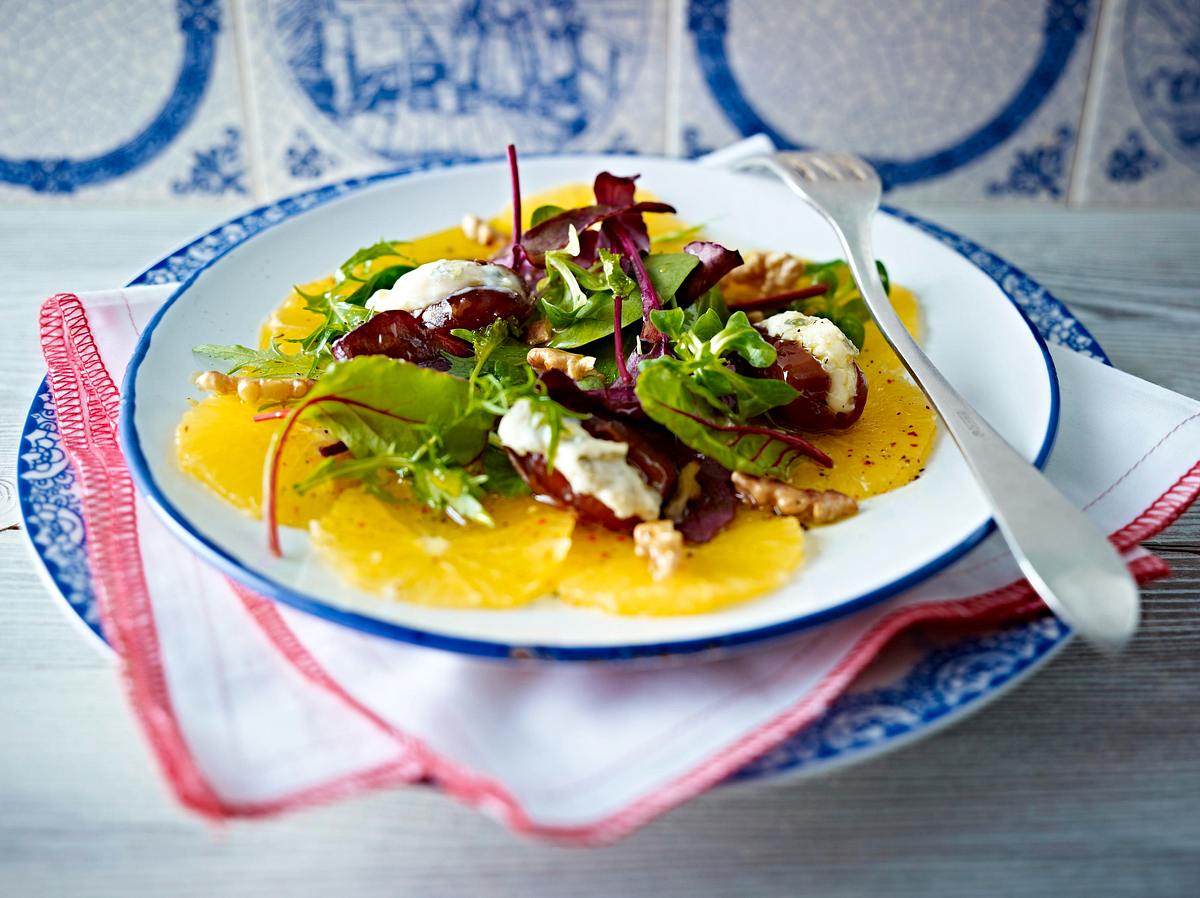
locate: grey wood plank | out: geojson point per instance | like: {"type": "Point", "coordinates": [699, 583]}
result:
{"type": "Point", "coordinates": [1083, 782]}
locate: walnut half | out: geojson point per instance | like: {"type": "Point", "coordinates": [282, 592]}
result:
{"type": "Point", "coordinates": [809, 506]}
{"type": "Point", "coordinates": [661, 543]}
{"type": "Point", "coordinates": [572, 364]}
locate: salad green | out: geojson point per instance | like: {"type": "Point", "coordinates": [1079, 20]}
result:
{"type": "Point", "coordinates": [696, 377]}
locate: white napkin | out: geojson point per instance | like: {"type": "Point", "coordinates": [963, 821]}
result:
{"type": "Point", "coordinates": [253, 708]}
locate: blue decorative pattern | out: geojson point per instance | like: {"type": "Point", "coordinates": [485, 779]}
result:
{"type": "Point", "coordinates": [200, 22]}
{"type": "Point", "coordinates": [1064, 23]}
{"type": "Point", "coordinates": [304, 159]}
{"type": "Point", "coordinates": [1162, 63]}
{"type": "Point", "coordinates": [51, 509]}
{"type": "Point", "coordinates": [1131, 160]}
{"type": "Point", "coordinates": [944, 684]}
{"type": "Point", "coordinates": [420, 81]}
{"type": "Point", "coordinates": [1041, 171]}
{"type": "Point", "coordinates": [218, 170]}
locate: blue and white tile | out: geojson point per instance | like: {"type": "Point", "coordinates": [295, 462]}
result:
{"type": "Point", "coordinates": [1141, 142]}
{"type": "Point", "coordinates": [132, 102]}
{"type": "Point", "coordinates": [955, 102]}
{"type": "Point", "coordinates": [341, 88]}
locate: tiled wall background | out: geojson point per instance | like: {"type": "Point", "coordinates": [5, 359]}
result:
{"type": "Point", "coordinates": [965, 101]}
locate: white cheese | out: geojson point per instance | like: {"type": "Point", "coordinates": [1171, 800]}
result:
{"type": "Point", "coordinates": [592, 466]}
{"type": "Point", "coordinates": [826, 343]}
{"type": "Point", "coordinates": [434, 281]}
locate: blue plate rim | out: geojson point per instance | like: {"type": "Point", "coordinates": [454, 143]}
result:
{"type": "Point", "coordinates": [299, 203]}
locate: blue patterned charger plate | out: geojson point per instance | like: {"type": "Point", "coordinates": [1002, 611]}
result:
{"type": "Point", "coordinates": [923, 688]}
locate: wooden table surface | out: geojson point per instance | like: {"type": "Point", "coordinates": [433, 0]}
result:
{"type": "Point", "coordinates": [1085, 781]}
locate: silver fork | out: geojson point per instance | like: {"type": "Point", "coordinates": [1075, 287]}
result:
{"type": "Point", "coordinates": [1070, 563]}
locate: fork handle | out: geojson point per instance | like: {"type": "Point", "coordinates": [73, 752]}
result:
{"type": "Point", "coordinates": [1067, 560]}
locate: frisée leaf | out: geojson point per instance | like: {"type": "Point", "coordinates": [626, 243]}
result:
{"type": "Point", "coordinates": [266, 363]}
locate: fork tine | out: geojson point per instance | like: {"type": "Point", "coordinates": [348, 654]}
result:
{"type": "Point", "coordinates": [852, 164]}
{"type": "Point", "coordinates": [800, 165]}
{"type": "Point", "coordinates": [825, 165]}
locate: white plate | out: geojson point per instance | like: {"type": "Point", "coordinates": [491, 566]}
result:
{"type": "Point", "coordinates": [974, 333]}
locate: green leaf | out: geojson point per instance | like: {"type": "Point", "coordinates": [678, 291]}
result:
{"type": "Point", "coordinates": [269, 363]}
{"type": "Point", "coordinates": [667, 273]}
{"type": "Point", "coordinates": [713, 300]}
{"type": "Point", "coordinates": [883, 276]}
{"type": "Point", "coordinates": [595, 320]}
{"type": "Point", "coordinates": [450, 489]}
{"type": "Point", "coordinates": [579, 303]}
{"type": "Point", "coordinates": [421, 406]}
{"type": "Point", "coordinates": [490, 340]}
{"type": "Point", "coordinates": [541, 213]}
{"type": "Point", "coordinates": [707, 326]}
{"type": "Point", "coordinates": [617, 280]}
{"type": "Point", "coordinates": [500, 476]}
{"type": "Point", "coordinates": [440, 486]}
{"type": "Point", "coordinates": [339, 318]}
{"type": "Point", "coordinates": [498, 374]}
{"type": "Point", "coordinates": [369, 253]}
{"type": "Point", "coordinates": [569, 293]}
{"type": "Point", "coordinates": [384, 279]}
{"type": "Point", "coordinates": [739, 336]}
{"type": "Point", "coordinates": [671, 396]}
{"type": "Point", "coordinates": [851, 318]}
{"type": "Point", "coordinates": [706, 341]}
{"type": "Point", "coordinates": [598, 323]}
{"type": "Point", "coordinates": [560, 267]}
{"type": "Point", "coordinates": [671, 322]}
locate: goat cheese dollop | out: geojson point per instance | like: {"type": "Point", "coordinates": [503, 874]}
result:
{"type": "Point", "coordinates": [592, 466]}
{"type": "Point", "coordinates": [826, 343]}
{"type": "Point", "coordinates": [434, 281]}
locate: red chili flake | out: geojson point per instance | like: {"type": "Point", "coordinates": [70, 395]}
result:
{"type": "Point", "coordinates": [605, 555]}
{"type": "Point", "coordinates": [541, 521]}
{"type": "Point", "coordinates": [867, 461]}
{"type": "Point", "coordinates": [913, 445]}
{"type": "Point", "coordinates": [913, 433]}
{"type": "Point", "coordinates": [893, 442]}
